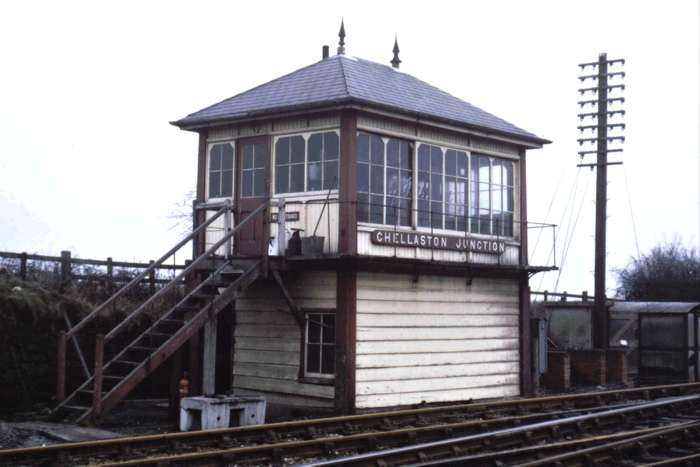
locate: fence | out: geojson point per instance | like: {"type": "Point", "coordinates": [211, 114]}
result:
{"type": "Point", "coordinates": [65, 268]}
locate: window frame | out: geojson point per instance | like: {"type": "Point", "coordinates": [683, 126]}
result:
{"type": "Point", "coordinates": [253, 171]}
{"type": "Point", "coordinates": [207, 181]}
{"type": "Point", "coordinates": [411, 147]}
{"type": "Point", "coordinates": [304, 374]}
{"type": "Point", "coordinates": [306, 135]}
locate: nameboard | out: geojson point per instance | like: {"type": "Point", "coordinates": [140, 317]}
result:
{"type": "Point", "coordinates": [437, 242]}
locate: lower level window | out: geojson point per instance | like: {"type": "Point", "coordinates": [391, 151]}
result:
{"type": "Point", "coordinates": [320, 345]}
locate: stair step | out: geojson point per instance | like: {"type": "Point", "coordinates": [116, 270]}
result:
{"type": "Point", "coordinates": [117, 378]}
{"type": "Point", "coordinates": [76, 407]}
{"type": "Point", "coordinates": [172, 321]}
{"type": "Point", "coordinates": [151, 333]}
{"type": "Point", "coordinates": [127, 362]}
{"type": "Point", "coordinates": [140, 347]}
{"type": "Point", "coordinates": [187, 308]}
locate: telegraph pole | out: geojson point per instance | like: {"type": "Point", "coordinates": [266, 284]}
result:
{"type": "Point", "coordinates": [601, 140]}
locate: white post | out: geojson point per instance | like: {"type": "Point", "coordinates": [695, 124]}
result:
{"type": "Point", "coordinates": [209, 357]}
{"type": "Point", "coordinates": [281, 228]}
{"type": "Point", "coordinates": [228, 216]}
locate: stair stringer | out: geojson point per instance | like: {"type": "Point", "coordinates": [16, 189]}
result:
{"type": "Point", "coordinates": [165, 350]}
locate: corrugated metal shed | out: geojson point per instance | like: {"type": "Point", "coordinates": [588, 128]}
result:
{"type": "Point", "coordinates": [343, 79]}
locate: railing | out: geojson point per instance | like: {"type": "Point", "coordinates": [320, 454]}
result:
{"type": "Point", "coordinates": [311, 217]}
{"type": "Point", "coordinates": [223, 209]}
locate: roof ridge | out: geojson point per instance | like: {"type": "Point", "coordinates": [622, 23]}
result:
{"type": "Point", "coordinates": [345, 77]}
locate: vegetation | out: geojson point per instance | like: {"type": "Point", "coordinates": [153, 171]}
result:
{"type": "Point", "coordinates": [669, 272]}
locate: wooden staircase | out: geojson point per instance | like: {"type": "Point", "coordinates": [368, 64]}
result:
{"type": "Point", "coordinates": [116, 373]}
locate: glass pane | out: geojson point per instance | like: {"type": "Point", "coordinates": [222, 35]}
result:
{"type": "Point", "coordinates": [315, 146]}
{"type": "Point", "coordinates": [330, 175]}
{"type": "Point", "coordinates": [450, 222]}
{"type": "Point", "coordinates": [215, 157]}
{"type": "Point", "coordinates": [248, 156]}
{"type": "Point", "coordinates": [392, 182]}
{"type": "Point", "coordinates": [404, 156]}
{"type": "Point", "coordinates": [214, 184]}
{"type": "Point", "coordinates": [484, 196]}
{"type": "Point", "coordinates": [406, 184]}
{"type": "Point", "coordinates": [484, 222]}
{"type": "Point", "coordinates": [508, 224]}
{"type": "Point", "coordinates": [282, 151]}
{"type": "Point", "coordinates": [260, 156]}
{"type": "Point", "coordinates": [496, 173]}
{"type": "Point", "coordinates": [363, 147]}
{"type": "Point", "coordinates": [423, 213]}
{"type": "Point", "coordinates": [298, 149]}
{"type": "Point", "coordinates": [484, 169]}
{"type": "Point", "coordinates": [435, 159]}
{"type": "Point", "coordinates": [296, 183]}
{"type": "Point", "coordinates": [508, 171]}
{"type": "Point", "coordinates": [461, 224]}
{"type": "Point", "coordinates": [328, 360]}
{"type": "Point", "coordinates": [424, 157]}
{"type": "Point", "coordinates": [330, 146]}
{"type": "Point", "coordinates": [436, 215]}
{"type": "Point", "coordinates": [392, 153]}
{"type": "Point", "coordinates": [377, 150]}
{"type": "Point", "coordinates": [405, 213]}
{"type": "Point", "coordinates": [282, 179]}
{"type": "Point", "coordinates": [313, 173]}
{"type": "Point", "coordinates": [259, 182]}
{"type": "Point", "coordinates": [497, 223]}
{"type": "Point", "coordinates": [451, 162]}
{"type": "Point", "coordinates": [226, 183]}
{"type": "Point", "coordinates": [392, 211]}
{"type": "Point", "coordinates": [362, 207]}
{"type": "Point", "coordinates": [436, 187]}
{"type": "Point", "coordinates": [329, 329]}
{"type": "Point", "coordinates": [475, 169]}
{"type": "Point", "coordinates": [363, 177]}
{"type": "Point", "coordinates": [423, 185]}
{"type": "Point", "coordinates": [376, 209]}
{"type": "Point", "coordinates": [314, 328]}
{"type": "Point", "coordinates": [377, 179]}
{"type": "Point", "coordinates": [462, 161]}
{"type": "Point", "coordinates": [226, 156]}
{"type": "Point", "coordinates": [247, 183]}
{"type": "Point", "coordinates": [496, 198]}
{"type": "Point", "coordinates": [313, 358]}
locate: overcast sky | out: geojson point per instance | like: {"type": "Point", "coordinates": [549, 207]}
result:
{"type": "Point", "coordinates": [89, 163]}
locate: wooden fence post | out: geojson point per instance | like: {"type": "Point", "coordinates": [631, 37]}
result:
{"type": "Point", "coordinates": [65, 268]}
{"type": "Point", "coordinates": [23, 266]}
{"type": "Point", "coordinates": [61, 368]}
{"type": "Point", "coordinates": [97, 388]}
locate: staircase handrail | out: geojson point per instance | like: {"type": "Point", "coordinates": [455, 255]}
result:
{"type": "Point", "coordinates": [72, 331]}
{"type": "Point", "coordinates": [184, 272]}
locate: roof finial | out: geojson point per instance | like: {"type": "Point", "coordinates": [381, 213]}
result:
{"type": "Point", "coordinates": [395, 62]}
{"type": "Point", "coordinates": [341, 42]}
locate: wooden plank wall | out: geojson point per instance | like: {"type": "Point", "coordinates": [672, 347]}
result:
{"type": "Point", "coordinates": [434, 340]}
{"type": "Point", "coordinates": [267, 347]}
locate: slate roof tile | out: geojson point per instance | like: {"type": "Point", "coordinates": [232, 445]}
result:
{"type": "Point", "coordinates": [342, 78]}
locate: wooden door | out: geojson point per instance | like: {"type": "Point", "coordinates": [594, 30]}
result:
{"type": "Point", "coordinates": [253, 160]}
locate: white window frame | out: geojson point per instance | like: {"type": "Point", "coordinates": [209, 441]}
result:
{"type": "Point", "coordinates": [306, 135]}
{"type": "Point", "coordinates": [210, 145]}
{"type": "Point", "coordinates": [307, 373]}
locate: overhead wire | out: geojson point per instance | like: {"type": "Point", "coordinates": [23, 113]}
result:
{"type": "Point", "coordinates": [629, 202]}
{"type": "Point", "coordinates": [572, 195]}
{"type": "Point", "coordinates": [549, 209]}
{"type": "Point", "coordinates": [567, 243]}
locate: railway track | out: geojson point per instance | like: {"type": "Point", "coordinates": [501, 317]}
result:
{"type": "Point", "coordinates": [336, 435]}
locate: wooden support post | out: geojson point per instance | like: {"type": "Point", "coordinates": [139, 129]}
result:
{"type": "Point", "coordinates": [23, 266]}
{"type": "Point", "coordinates": [97, 386]}
{"type": "Point", "coordinates": [282, 228]}
{"type": "Point", "coordinates": [151, 279]}
{"type": "Point", "coordinates": [345, 331]}
{"type": "Point", "coordinates": [65, 268]}
{"type": "Point", "coordinates": [209, 357]}
{"type": "Point", "coordinates": [61, 368]}
{"type": "Point", "coordinates": [194, 364]}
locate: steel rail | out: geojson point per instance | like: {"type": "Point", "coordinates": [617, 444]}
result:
{"type": "Point", "coordinates": [327, 446]}
{"type": "Point", "coordinates": [346, 425]}
{"type": "Point", "coordinates": [528, 453]}
{"type": "Point", "coordinates": [526, 434]}
{"type": "Point", "coordinates": [629, 449]}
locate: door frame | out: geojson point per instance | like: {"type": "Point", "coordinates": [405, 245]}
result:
{"type": "Point", "coordinates": [240, 142]}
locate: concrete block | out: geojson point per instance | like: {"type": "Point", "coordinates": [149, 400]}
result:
{"type": "Point", "coordinates": [207, 413]}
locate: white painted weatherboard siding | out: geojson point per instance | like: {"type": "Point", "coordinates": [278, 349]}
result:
{"type": "Point", "coordinates": [267, 349]}
{"type": "Point", "coordinates": [435, 340]}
